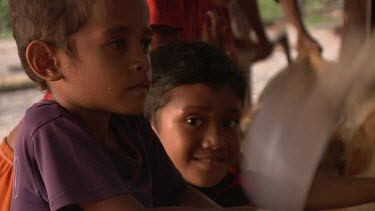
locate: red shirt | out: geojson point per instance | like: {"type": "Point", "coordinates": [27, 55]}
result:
{"type": "Point", "coordinates": [167, 13]}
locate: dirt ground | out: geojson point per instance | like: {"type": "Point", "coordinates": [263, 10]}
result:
{"type": "Point", "coordinates": [14, 103]}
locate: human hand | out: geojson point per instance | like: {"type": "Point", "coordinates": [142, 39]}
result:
{"type": "Point", "coordinates": [214, 30]}
{"type": "Point", "coordinates": [249, 52]}
{"type": "Point", "coordinates": [306, 45]}
{"type": "Point", "coordinates": [263, 50]}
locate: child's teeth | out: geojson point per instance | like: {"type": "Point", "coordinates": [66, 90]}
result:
{"type": "Point", "coordinates": [206, 160]}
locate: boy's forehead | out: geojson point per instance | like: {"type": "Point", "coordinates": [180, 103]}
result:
{"type": "Point", "coordinates": [200, 90]}
{"type": "Point", "coordinates": [125, 6]}
{"type": "Point", "coordinates": [120, 12]}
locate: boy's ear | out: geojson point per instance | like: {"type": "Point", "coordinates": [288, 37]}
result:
{"type": "Point", "coordinates": [42, 60]}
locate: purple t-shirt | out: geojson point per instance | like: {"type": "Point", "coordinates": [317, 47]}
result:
{"type": "Point", "coordinates": [58, 163]}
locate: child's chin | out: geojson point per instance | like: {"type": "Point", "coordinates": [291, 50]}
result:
{"type": "Point", "coordinates": [207, 182]}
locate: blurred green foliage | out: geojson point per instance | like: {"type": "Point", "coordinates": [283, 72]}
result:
{"type": "Point", "coordinates": [270, 10]}
{"type": "Point", "coordinates": [314, 12]}
{"type": "Point", "coordinates": [319, 12]}
{"type": "Point", "coordinates": [5, 25]}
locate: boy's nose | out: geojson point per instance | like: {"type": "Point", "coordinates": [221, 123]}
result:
{"type": "Point", "coordinates": [142, 61]}
{"type": "Point", "coordinates": [213, 139]}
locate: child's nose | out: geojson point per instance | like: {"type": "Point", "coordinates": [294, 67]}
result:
{"type": "Point", "coordinates": [142, 60]}
{"type": "Point", "coordinates": [214, 139]}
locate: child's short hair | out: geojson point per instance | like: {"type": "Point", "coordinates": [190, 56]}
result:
{"type": "Point", "coordinates": [183, 63]}
{"type": "Point", "coordinates": [50, 21]}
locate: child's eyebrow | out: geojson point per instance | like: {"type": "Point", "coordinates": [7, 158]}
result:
{"type": "Point", "coordinates": [209, 108]}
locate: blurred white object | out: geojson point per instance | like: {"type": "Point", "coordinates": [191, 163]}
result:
{"type": "Point", "coordinates": [298, 111]}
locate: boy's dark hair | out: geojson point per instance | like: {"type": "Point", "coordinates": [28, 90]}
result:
{"type": "Point", "coordinates": [51, 21]}
{"type": "Point", "coordinates": [183, 63]}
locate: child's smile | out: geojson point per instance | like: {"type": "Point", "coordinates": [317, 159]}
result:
{"type": "Point", "coordinates": [211, 162]}
{"type": "Point", "coordinates": [199, 130]}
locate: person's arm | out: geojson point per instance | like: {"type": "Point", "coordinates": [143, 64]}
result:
{"type": "Point", "coordinates": [191, 197]}
{"type": "Point", "coordinates": [329, 192]}
{"type": "Point", "coordinates": [127, 202]}
{"type": "Point", "coordinates": [305, 41]}
{"type": "Point", "coordinates": [120, 202]}
{"type": "Point", "coordinates": [11, 139]}
{"type": "Point", "coordinates": [250, 8]}
{"type": "Point", "coordinates": [214, 30]}
{"type": "Point", "coordinates": [262, 43]}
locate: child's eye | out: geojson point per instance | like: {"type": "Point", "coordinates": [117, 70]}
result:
{"type": "Point", "coordinates": [230, 123]}
{"type": "Point", "coordinates": [194, 121]}
{"type": "Point", "coordinates": [117, 43]}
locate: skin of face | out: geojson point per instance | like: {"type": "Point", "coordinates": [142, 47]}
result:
{"type": "Point", "coordinates": [111, 70]}
{"type": "Point", "coordinates": [199, 129]}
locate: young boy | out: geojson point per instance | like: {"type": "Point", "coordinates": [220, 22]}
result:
{"type": "Point", "coordinates": [88, 148]}
{"type": "Point", "coordinates": [194, 106]}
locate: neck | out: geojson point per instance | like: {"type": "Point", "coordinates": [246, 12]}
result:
{"type": "Point", "coordinates": [96, 122]}
{"type": "Point", "coordinates": [98, 125]}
